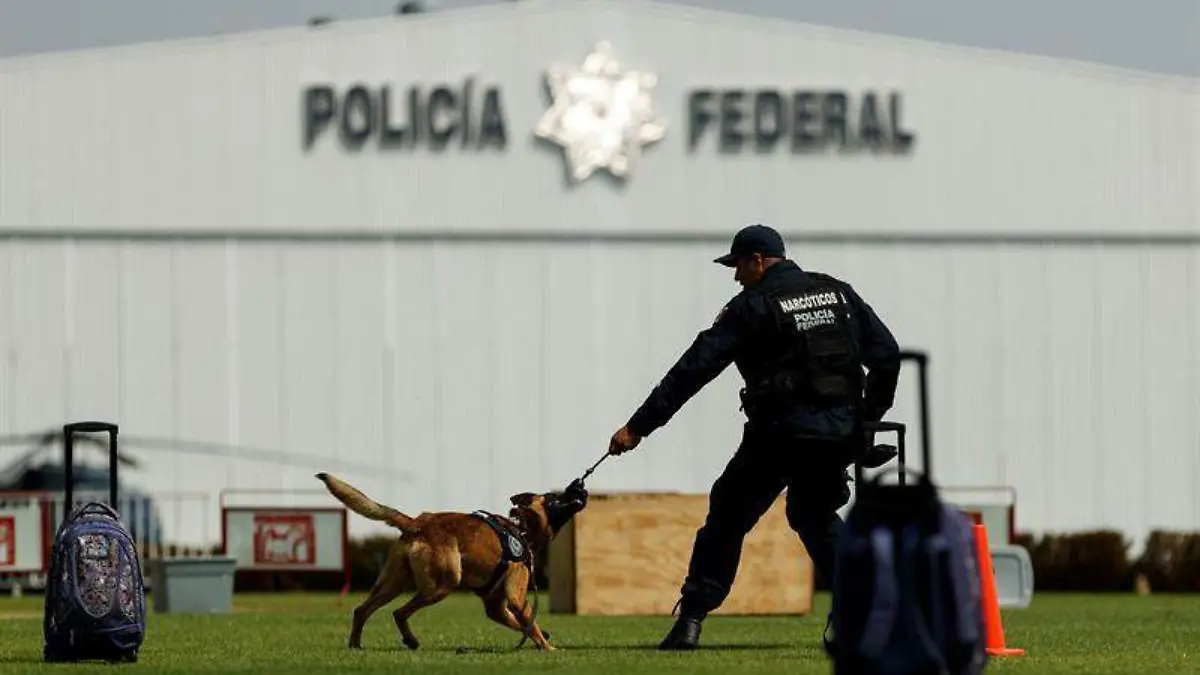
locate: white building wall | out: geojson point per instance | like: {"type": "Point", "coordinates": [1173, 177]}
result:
{"type": "Point", "coordinates": [489, 366]}
{"type": "Point", "coordinates": [207, 134]}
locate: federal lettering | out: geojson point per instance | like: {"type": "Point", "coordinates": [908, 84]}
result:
{"type": "Point", "coordinates": [804, 121]}
{"type": "Point", "coordinates": [406, 118]}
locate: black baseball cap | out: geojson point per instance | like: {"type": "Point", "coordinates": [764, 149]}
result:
{"type": "Point", "coordinates": [750, 240]}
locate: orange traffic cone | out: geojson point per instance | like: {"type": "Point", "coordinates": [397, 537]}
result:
{"type": "Point", "coordinates": [991, 604]}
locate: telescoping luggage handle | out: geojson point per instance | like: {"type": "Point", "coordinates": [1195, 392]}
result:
{"type": "Point", "coordinates": [69, 431]}
{"type": "Point", "coordinates": [899, 428]}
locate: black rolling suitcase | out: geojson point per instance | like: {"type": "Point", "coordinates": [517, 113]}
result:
{"type": "Point", "coordinates": [906, 588]}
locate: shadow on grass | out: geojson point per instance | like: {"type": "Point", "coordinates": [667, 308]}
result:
{"type": "Point", "coordinates": [717, 647]}
{"type": "Point", "coordinates": [652, 647]}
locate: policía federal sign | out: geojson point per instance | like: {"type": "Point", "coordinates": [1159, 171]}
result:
{"type": "Point", "coordinates": [604, 114]}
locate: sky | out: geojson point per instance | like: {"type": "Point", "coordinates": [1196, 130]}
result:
{"type": "Point", "coordinates": [1161, 36]}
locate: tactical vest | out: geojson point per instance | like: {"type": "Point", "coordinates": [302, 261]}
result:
{"type": "Point", "coordinates": [818, 362]}
{"type": "Point", "coordinates": [512, 548]}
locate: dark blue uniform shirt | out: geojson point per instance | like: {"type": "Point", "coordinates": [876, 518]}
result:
{"type": "Point", "coordinates": [735, 337]}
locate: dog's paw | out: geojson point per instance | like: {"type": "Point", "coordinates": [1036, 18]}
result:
{"type": "Point", "coordinates": [411, 642]}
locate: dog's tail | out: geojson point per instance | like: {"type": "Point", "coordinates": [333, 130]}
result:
{"type": "Point", "coordinates": [366, 507]}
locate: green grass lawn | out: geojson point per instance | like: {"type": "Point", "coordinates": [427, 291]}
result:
{"type": "Point", "coordinates": [307, 634]}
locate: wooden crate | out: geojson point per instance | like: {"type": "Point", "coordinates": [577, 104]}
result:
{"type": "Point", "coordinates": [627, 554]}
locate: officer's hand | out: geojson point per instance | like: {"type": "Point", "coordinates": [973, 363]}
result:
{"type": "Point", "coordinates": [623, 441]}
{"type": "Point", "coordinates": [878, 455]}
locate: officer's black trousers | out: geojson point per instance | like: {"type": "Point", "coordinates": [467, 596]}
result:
{"type": "Point", "coordinates": [814, 473]}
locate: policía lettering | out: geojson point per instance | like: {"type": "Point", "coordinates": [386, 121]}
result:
{"type": "Point", "coordinates": [436, 117]}
{"type": "Point", "coordinates": [806, 120]}
{"type": "Point", "coordinates": [806, 321]}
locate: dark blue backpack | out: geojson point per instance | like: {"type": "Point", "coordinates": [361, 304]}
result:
{"type": "Point", "coordinates": [95, 597]}
{"type": "Point", "coordinates": [906, 588]}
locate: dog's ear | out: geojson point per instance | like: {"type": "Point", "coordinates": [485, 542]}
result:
{"type": "Point", "coordinates": [522, 499]}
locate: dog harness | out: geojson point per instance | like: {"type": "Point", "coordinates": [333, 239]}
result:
{"type": "Point", "coordinates": [513, 548]}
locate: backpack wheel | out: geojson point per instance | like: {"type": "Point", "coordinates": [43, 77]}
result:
{"type": "Point", "coordinates": [127, 657]}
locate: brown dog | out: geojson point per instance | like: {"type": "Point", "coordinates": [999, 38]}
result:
{"type": "Point", "coordinates": [443, 551]}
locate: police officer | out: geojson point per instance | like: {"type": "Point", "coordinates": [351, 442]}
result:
{"type": "Point", "coordinates": [800, 340]}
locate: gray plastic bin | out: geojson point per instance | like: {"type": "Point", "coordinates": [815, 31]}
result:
{"type": "Point", "coordinates": [193, 585]}
{"type": "Point", "coordinates": [1014, 576]}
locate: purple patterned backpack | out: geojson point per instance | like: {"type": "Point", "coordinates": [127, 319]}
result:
{"type": "Point", "coordinates": [95, 596]}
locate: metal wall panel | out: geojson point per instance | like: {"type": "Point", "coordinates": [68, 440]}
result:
{"type": "Point", "coordinates": [480, 370]}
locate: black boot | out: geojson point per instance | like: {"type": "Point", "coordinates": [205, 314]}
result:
{"type": "Point", "coordinates": [830, 642]}
{"type": "Point", "coordinates": [684, 635]}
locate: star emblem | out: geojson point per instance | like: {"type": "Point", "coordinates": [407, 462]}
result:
{"type": "Point", "coordinates": [601, 116]}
